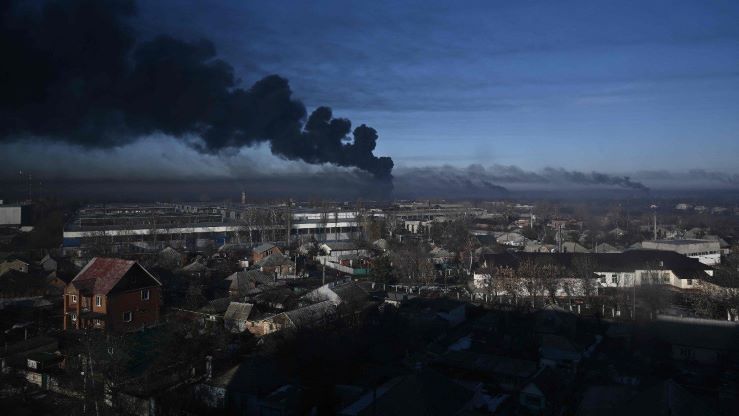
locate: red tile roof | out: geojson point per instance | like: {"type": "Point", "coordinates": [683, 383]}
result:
{"type": "Point", "coordinates": [100, 275]}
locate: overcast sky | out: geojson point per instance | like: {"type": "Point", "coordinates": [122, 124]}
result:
{"type": "Point", "coordinates": [616, 86]}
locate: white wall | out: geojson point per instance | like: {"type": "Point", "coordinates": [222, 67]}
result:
{"type": "Point", "coordinates": [10, 215]}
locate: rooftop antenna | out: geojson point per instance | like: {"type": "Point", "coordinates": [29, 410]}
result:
{"type": "Point", "coordinates": [654, 215]}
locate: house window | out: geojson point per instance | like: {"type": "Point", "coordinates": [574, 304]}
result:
{"type": "Point", "coordinates": [74, 298]}
{"type": "Point", "coordinates": [690, 282]}
{"type": "Point", "coordinates": [614, 279]}
{"type": "Point", "coordinates": [98, 300]}
{"type": "Point", "coordinates": [145, 294]}
{"type": "Point", "coordinates": [127, 316]}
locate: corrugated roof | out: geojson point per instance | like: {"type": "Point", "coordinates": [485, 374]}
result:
{"type": "Point", "coordinates": [311, 314]}
{"type": "Point", "coordinates": [274, 260]}
{"type": "Point", "coordinates": [238, 311]}
{"type": "Point", "coordinates": [263, 247]}
{"type": "Point", "coordinates": [101, 274]}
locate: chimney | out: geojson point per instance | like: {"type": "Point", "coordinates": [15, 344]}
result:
{"type": "Point", "coordinates": [243, 197]}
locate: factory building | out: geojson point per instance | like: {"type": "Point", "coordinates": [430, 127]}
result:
{"type": "Point", "coordinates": [123, 228]}
{"type": "Point", "coordinates": [14, 215]}
{"type": "Point", "coordinates": [706, 251]}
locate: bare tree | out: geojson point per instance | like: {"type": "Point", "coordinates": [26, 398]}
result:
{"type": "Point", "coordinates": [717, 297]}
{"type": "Point", "coordinates": [552, 280]}
{"type": "Point", "coordinates": [584, 269]}
{"type": "Point", "coordinates": [531, 276]}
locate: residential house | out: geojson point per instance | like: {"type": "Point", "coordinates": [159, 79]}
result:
{"type": "Point", "coordinates": [48, 264]}
{"type": "Point", "coordinates": [14, 264]}
{"type": "Point", "coordinates": [536, 247]}
{"type": "Point", "coordinates": [511, 239]}
{"type": "Point", "coordinates": [344, 292]}
{"type": "Point", "coordinates": [606, 248]}
{"type": "Point", "coordinates": [334, 250]}
{"type": "Point", "coordinates": [264, 250]}
{"type": "Point", "coordinates": [573, 247]}
{"type": "Point", "coordinates": [236, 317]}
{"type": "Point", "coordinates": [112, 294]}
{"type": "Point", "coordinates": [242, 283]}
{"type": "Point", "coordinates": [440, 255]}
{"type": "Point", "coordinates": [276, 264]}
{"type": "Point", "coordinates": [308, 316]}
{"type": "Point", "coordinates": [612, 270]}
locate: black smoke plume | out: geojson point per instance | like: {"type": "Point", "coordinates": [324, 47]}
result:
{"type": "Point", "coordinates": [73, 72]}
{"type": "Point", "coordinates": [479, 179]}
{"type": "Point", "coordinates": [593, 178]}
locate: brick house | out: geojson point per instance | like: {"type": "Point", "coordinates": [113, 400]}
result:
{"type": "Point", "coordinates": [112, 294]}
{"type": "Point", "coordinates": [264, 250]}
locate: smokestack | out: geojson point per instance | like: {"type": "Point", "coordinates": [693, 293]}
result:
{"type": "Point", "coordinates": [243, 198]}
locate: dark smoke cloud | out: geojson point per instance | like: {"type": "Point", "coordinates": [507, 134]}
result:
{"type": "Point", "coordinates": [478, 179]}
{"type": "Point", "coordinates": [592, 178]}
{"type": "Point", "coordinates": [73, 72]}
{"type": "Point", "coordinates": [446, 181]}
{"type": "Point", "coordinates": [725, 178]}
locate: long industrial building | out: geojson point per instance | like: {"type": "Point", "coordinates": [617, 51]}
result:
{"type": "Point", "coordinates": [147, 227]}
{"type": "Point", "coordinates": [706, 251]}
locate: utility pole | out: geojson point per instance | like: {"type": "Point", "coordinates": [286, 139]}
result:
{"type": "Point", "coordinates": [289, 215]}
{"type": "Point", "coordinates": [633, 297]}
{"type": "Point", "coordinates": [654, 212]}
{"type": "Point", "coordinates": [559, 239]}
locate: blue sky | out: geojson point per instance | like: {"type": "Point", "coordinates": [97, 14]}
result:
{"type": "Point", "coordinates": [614, 86]}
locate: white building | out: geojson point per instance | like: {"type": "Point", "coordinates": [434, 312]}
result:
{"type": "Point", "coordinates": [706, 251]}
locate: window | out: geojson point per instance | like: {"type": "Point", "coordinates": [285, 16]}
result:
{"type": "Point", "coordinates": [145, 294]}
{"type": "Point", "coordinates": [690, 282]}
{"type": "Point", "coordinates": [98, 300]}
{"type": "Point", "coordinates": [614, 279]}
{"type": "Point", "coordinates": [127, 316]}
{"type": "Point", "coordinates": [74, 298]}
